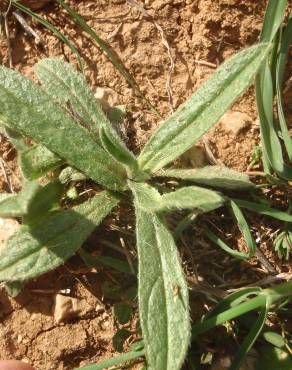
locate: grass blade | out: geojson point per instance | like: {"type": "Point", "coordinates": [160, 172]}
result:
{"type": "Point", "coordinates": [51, 28]}
{"type": "Point", "coordinates": [274, 294]}
{"type": "Point", "coordinates": [251, 338]}
{"type": "Point", "coordinates": [243, 226]}
{"type": "Point", "coordinates": [285, 41]}
{"type": "Point", "coordinates": [114, 361]}
{"type": "Point", "coordinates": [264, 210]}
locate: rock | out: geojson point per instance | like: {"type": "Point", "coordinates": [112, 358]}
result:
{"type": "Point", "coordinates": [8, 227]}
{"type": "Point", "coordinates": [106, 97]}
{"type": "Point", "coordinates": [67, 308]}
{"type": "Point", "coordinates": [235, 122]}
{"type": "Point", "coordinates": [195, 156]}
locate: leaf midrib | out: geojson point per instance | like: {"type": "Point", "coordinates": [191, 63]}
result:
{"type": "Point", "coordinates": [189, 122]}
{"type": "Point", "coordinates": [19, 99]}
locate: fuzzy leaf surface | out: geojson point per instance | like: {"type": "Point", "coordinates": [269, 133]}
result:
{"type": "Point", "coordinates": [191, 120]}
{"type": "Point", "coordinates": [216, 176]}
{"type": "Point", "coordinates": [113, 144]}
{"type": "Point", "coordinates": [33, 251]}
{"type": "Point", "coordinates": [36, 161]}
{"type": "Point", "coordinates": [163, 294]}
{"type": "Point", "coordinates": [32, 201]}
{"type": "Point", "coordinates": [68, 86]}
{"type": "Point", "coordinates": [27, 109]}
{"type": "Point", "coordinates": [191, 197]}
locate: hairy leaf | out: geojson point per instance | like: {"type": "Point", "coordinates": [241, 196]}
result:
{"type": "Point", "coordinates": [69, 174]}
{"type": "Point", "coordinates": [36, 161]}
{"type": "Point", "coordinates": [32, 201]}
{"type": "Point", "coordinates": [163, 294]}
{"type": "Point", "coordinates": [33, 251]}
{"type": "Point", "coordinates": [68, 86]}
{"type": "Point", "coordinates": [217, 176]}
{"type": "Point", "coordinates": [190, 197]}
{"type": "Point", "coordinates": [180, 132]}
{"type": "Point", "coordinates": [113, 144]}
{"type": "Point", "coordinates": [27, 109]}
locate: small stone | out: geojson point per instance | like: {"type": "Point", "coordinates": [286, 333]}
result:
{"type": "Point", "coordinates": [106, 97]}
{"type": "Point", "coordinates": [8, 227]}
{"type": "Point", "coordinates": [67, 308]}
{"type": "Point", "coordinates": [195, 156]}
{"type": "Point", "coordinates": [99, 308]}
{"type": "Point", "coordinates": [235, 122]}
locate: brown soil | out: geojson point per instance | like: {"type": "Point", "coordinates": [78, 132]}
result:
{"type": "Point", "coordinates": [201, 35]}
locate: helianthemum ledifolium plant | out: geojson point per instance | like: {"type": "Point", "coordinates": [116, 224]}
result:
{"type": "Point", "coordinates": [73, 137]}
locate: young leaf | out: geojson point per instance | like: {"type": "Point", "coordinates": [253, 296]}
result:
{"type": "Point", "coordinates": [123, 312]}
{"type": "Point", "coordinates": [36, 161]}
{"type": "Point", "coordinates": [117, 149]}
{"type": "Point", "coordinates": [15, 138]}
{"type": "Point", "coordinates": [35, 250]}
{"type": "Point", "coordinates": [180, 132]}
{"type": "Point", "coordinates": [67, 86]}
{"type": "Point", "coordinates": [190, 197]}
{"type": "Point", "coordinates": [217, 176]}
{"type": "Point", "coordinates": [163, 294]}
{"type": "Point", "coordinates": [32, 201]}
{"type": "Point", "coordinates": [69, 174]}
{"type": "Point", "coordinates": [27, 109]}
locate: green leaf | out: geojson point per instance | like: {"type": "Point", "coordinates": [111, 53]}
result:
{"type": "Point", "coordinates": [286, 41]}
{"type": "Point", "coordinates": [113, 144]}
{"type": "Point", "coordinates": [99, 261]}
{"type": "Point", "coordinates": [36, 161]}
{"type": "Point", "coordinates": [37, 18]}
{"type": "Point", "coordinates": [69, 174]}
{"type": "Point", "coordinates": [274, 338]}
{"type": "Point", "coordinates": [69, 87]}
{"type": "Point", "coordinates": [15, 138]}
{"type": "Point", "coordinates": [35, 250]}
{"type": "Point", "coordinates": [117, 360]}
{"type": "Point", "coordinates": [48, 124]}
{"type": "Point", "coordinates": [190, 197]}
{"type": "Point", "coordinates": [32, 201]}
{"type": "Point", "coordinates": [180, 132]}
{"type": "Point", "coordinates": [123, 312]}
{"type": "Point", "coordinates": [273, 18]}
{"type": "Point", "coordinates": [120, 338]}
{"type": "Point", "coordinates": [163, 294]}
{"type": "Point", "coordinates": [264, 210]}
{"type": "Point", "coordinates": [13, 288]}
{"type": "Point", "coordinates": [217, 176]}
{"type": "Point", "coordinates": [250, 339]}
{"type": "Point", "coordinates": [245, 230]}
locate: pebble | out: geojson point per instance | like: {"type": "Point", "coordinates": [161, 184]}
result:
{"type": "Point", "coordinates": [8, 227]}
{"type": "Point", "coordinates": [67, 308]}
{"type": "Point", "coordinates": [106, 97]}
{"type": "Point", "coordinates": [235, 122]}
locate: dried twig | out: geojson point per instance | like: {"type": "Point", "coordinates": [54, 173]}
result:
{"type": "Point", "coordinates": [28, 29]}
{"type": "Point", "coordinates": [165, 43]}
{"type": "Point", "coordinates": [7, 34]}
{"type": "Point", "coordinates": [6, 177]}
